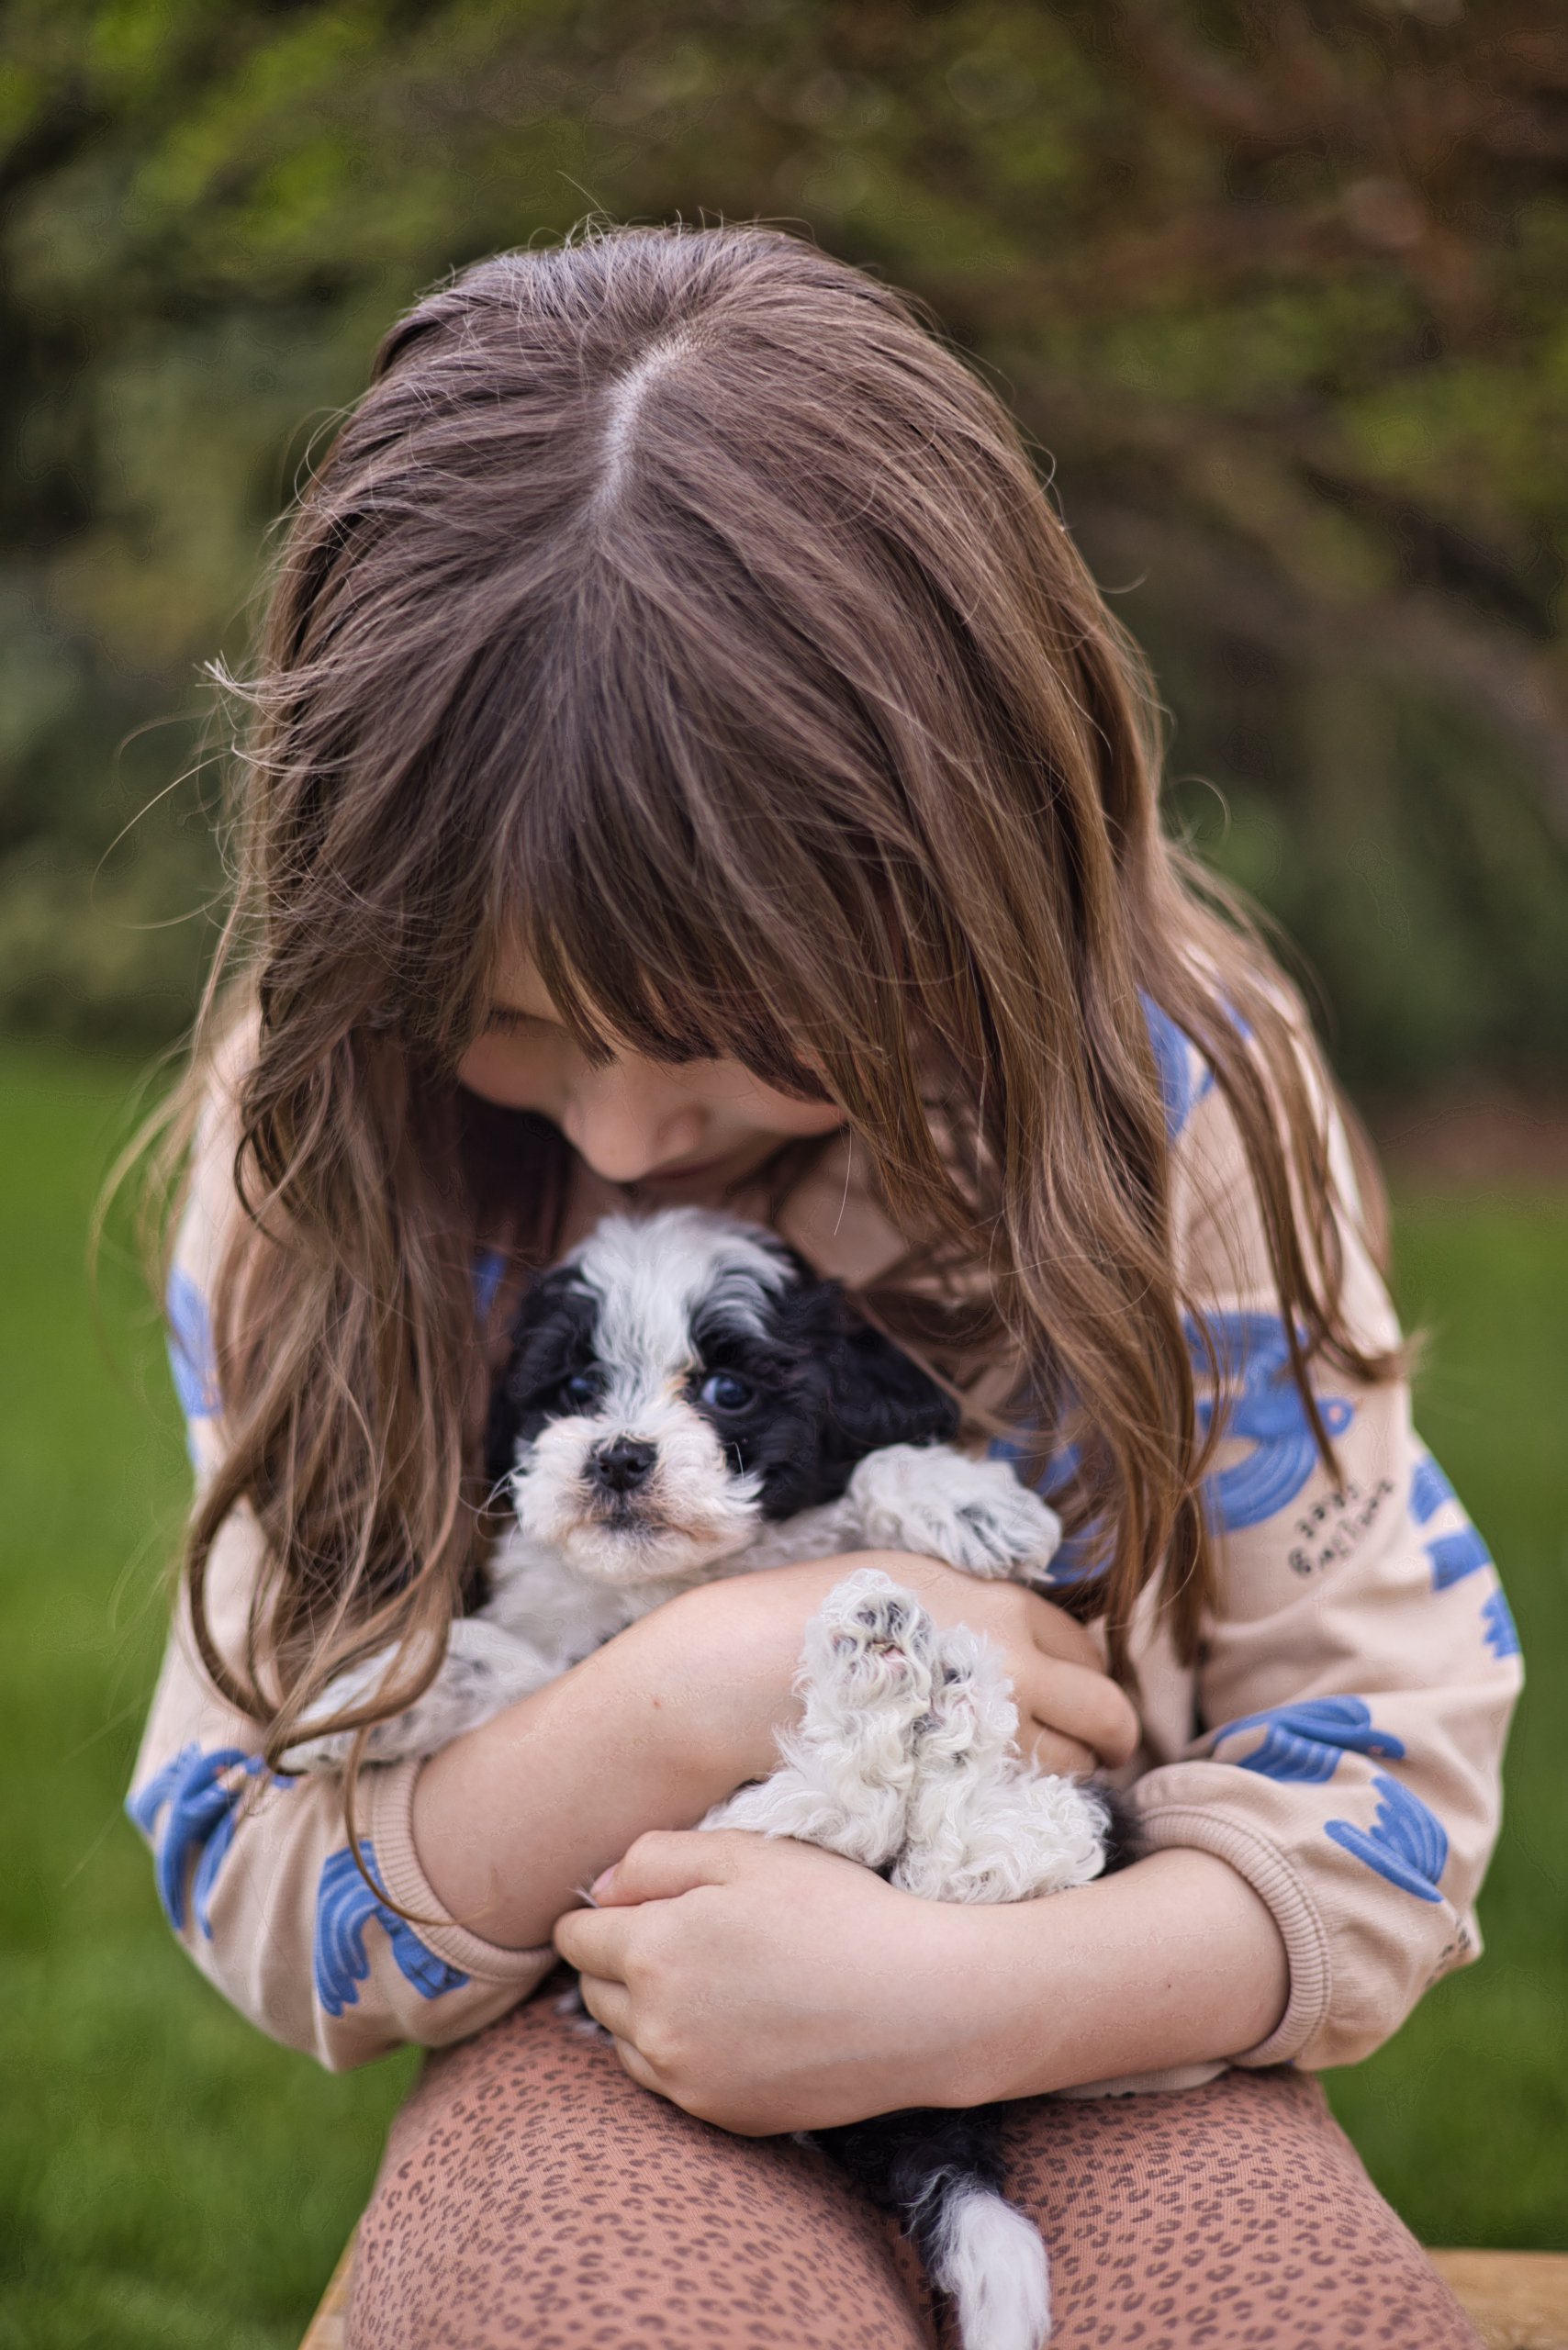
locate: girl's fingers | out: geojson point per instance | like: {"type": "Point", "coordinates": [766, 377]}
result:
{"type": "Point", "coordinates": [1080, 1705]}
{"type": "Point", "coordinates": [608, 2003]}
{"type": "Point", "coordinates": [1062, 1756]}
{"type": "Point", "coordinates": [633, 2061]}
{"type": "Point", "coordinates": [667, 1861]}
{"type": "Point", "coordinates": [594, 1942]}
{"type": "Point", "coordinates": [1056, 1633]}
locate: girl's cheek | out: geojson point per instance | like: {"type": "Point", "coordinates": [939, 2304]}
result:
{"type": "Point", "coordinates": [729, 1087]}
{"type": "Point", "coordinates": [511, 1076]}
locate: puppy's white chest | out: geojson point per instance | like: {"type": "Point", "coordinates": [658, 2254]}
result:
{"type": "Point", "coordinates": [562, 1614]}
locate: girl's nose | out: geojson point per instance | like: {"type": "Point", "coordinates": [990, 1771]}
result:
{"type": "Point", "coordinates": [625, 1119]}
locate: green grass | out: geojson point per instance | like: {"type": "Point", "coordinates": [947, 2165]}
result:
{"type": "Point", "coordinates": [168, 2177]}
{"type": "Point", "coordinates": [1463, 2116]}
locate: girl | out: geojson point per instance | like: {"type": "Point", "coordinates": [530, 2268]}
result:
{"type": "Point", "coordinates": [690, 763]}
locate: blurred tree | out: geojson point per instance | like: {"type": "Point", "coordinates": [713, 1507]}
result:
{"type": "Point", "coordinates": [1278, 283]}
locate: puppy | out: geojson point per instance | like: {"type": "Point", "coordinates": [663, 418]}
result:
{"type": "Point", "coordinates": [686, 1400]}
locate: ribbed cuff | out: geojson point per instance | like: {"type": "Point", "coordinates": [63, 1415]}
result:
{"type": "Point", "coordinates": [388, 1824]}
{"type": "Point", "coordinates": [1274, 1881]}
{"type": "Point", "coordinates": [1176, 2076]}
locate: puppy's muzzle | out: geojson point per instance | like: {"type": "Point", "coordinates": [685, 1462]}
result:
{"type": "Point", "coordinates": [622, 1464]}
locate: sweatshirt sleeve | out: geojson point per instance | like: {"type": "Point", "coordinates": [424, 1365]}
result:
{"type": "Point", "coordinates": [1354, 1689]}
{"type": "Point", "coordinates": [256, 1872]}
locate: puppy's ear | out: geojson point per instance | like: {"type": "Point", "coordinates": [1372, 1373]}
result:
{"type": "Point", "coordinates": [878, 1395]}
{"type": "Point", "coordinates": [552, 1332]}
{"type": "Point", "coordinates": [867, 1393]}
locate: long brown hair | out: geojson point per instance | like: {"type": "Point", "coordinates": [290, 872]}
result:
{"type": "Point", "coordinates": [676, 604]}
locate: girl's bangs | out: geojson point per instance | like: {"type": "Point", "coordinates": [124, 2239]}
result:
{"type": "Point", "coordinates": [673, 988]}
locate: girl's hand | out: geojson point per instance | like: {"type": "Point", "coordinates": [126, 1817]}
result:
{"type": "Point", "coordinates": [766, 1987]}
{"type": "Point", "coordinates": [726, 1653]}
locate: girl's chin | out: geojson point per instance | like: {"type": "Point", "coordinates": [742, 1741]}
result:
{"type": "Point", "coordinates": [708, 1172]}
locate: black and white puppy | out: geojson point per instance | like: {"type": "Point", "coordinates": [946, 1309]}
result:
{"type": "Point", "coordinates": [686, 1400]}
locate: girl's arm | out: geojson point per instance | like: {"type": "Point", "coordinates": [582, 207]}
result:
{"type": "Point", "coordinates": [514, 1819]}
{"type": "Point", "coordinates": [257, 1876]}
{"type": "Point", "coordinates": [826, 1995]}
{"type": "Point", "coordinates": [469, 1858]}
{"type": "Point", "coordinates": [1343, 1744]}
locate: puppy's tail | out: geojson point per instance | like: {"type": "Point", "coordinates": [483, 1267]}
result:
{"type": "Point", "coordinates": [981, 2249]}
{"type": "Point", "coordinates": [941, 2172]}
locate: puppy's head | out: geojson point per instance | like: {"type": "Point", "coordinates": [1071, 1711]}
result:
{"type": "Point", "coordinates": [678, 1381]}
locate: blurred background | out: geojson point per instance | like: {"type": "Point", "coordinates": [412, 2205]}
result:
{"type": "Point", "coordinates": [1280, 292]}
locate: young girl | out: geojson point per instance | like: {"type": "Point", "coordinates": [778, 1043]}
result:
{"type": "Point", "coordinates": [690, 763]}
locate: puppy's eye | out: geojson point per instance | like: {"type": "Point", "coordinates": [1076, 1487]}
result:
{"type": "Point", "coordinates": [724, 1393]}
{"type": "Point", "coordinates": [581, 1389]}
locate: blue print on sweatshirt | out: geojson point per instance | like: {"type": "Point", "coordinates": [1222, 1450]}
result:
{"type": "Point", "coordinates": [487, 1272]}
{"type": "Point", "coordinates": [1498, 1627]}
{"type": "Point", "coordinates": [201, 1814]}
{"type": "Point", "coordinates": [345, 1906]}
{"type": "Point", "coordinates": [1429, 1489]}
{"type": "Point", "coordinates": [1455, 1556]}
{"type": "Point", "coordinates": [191, 1357]}
{"type": "Point", "coordinates": [1262, 1404]}
{"type": "Point", "coordinates": [1405, 1844]}
{"type": "Point", "coordinates": [1079, 1557]}
{"type": "Point", "coordinates": [1306, 1741]}
{"type": "Point", "coordinates": [1184, 1076]}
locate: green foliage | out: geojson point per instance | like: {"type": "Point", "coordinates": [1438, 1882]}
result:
{"type": "Point", "coordinates": [169, 2178]}
{"type": "Point", "coordinates": [1280, 289]}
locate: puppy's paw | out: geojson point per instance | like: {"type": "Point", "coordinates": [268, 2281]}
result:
{"type": "Point", "coordinates": [971, 1514]}
{"type": "Point", "coordinates": [871, 1642]}
{"type": "Point", "coordinates": [973, 1722]}
{"type": "Point", "coordinates": [854, 1804]}
{"type": "Point", "coordinates": [849, 1762]}
{"type": "Point", "coordinates": [329, 1751]}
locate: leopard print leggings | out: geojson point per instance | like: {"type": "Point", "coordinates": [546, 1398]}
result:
{"type": "Point", "coordinates": [532, 2195]}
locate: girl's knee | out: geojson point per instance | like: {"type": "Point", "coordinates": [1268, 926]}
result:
{"type": "Point", "coordinates": [1240, 2211]}
{"type": "Point", "coordinates": [531, 2193]}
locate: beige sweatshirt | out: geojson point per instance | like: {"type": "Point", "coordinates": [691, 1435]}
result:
{"type": "Point", "coordinates": [1339, 1742]}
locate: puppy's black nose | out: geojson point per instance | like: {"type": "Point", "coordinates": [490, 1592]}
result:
{"type": "Point", "coordinates": [623, 1463]}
